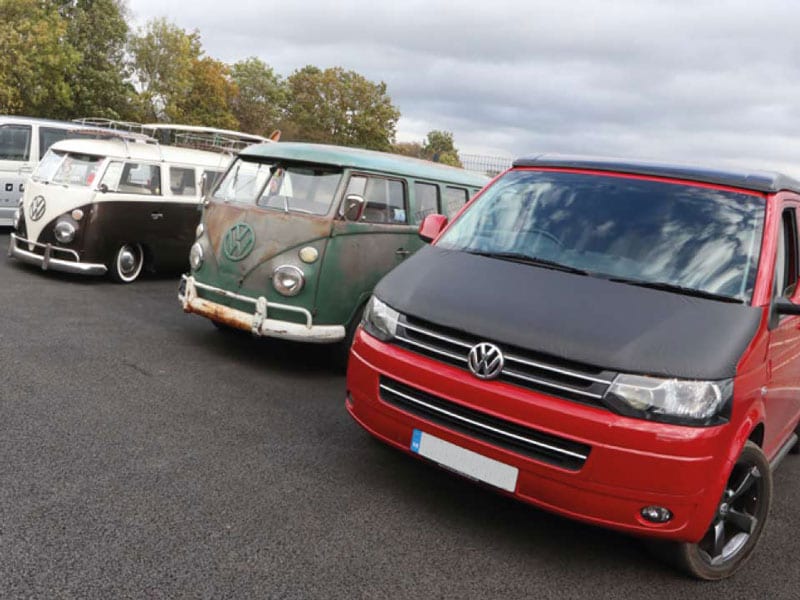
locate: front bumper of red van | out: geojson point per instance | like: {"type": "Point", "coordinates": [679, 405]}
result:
{"type": "Point", "coordinates": [630, 464]}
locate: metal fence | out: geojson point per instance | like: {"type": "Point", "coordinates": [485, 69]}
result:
{"type": "Point", "coordinates": [488, 165]}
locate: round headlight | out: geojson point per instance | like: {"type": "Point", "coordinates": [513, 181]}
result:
{"type": "Point", "coordinates": [199, 231]}
{"type": "Point", "coordinates": [288, 280]}
{"type": "Point", "coordinates": [196, 256]}
{"type": "Point", "coordinates": [64, 231]}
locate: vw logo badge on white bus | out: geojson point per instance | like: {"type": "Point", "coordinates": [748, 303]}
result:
{"type": "Point", "coordinates": [38, 206]}
{"type": "Point", "coordinates": [485, 360]}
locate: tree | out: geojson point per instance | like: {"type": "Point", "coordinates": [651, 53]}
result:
{"type": "Point", "coordinates": [163, 59]}
{"type": "Point", "coordinates": [339, 107]}
{"type": "Point", "coordinates": [439, 147]}
{"type": "Point", "coordinates": [207, 101]}
{"type": "Point", "coordinates": [261, 98]}
{"type": "Point", "coordinates": [413, 149]}
{"type": "Point", "coordinates": [35, 63]}
{"type": "Point", "coordinates": [98, 30]}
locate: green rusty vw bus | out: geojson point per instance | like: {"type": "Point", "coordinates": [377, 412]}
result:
{"type": "Point", "coordinates": [294, 236]}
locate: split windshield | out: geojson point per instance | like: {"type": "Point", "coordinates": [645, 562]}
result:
{"type": "Point", "coordinates": [639, 231]}
{"type": "Point", "coordinates": [288, 188]}
{"type": "Point", "coordinates": [68, 169]}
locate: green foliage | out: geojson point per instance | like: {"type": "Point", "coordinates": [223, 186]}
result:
{"type": "Point", "coordinates": [335, 106]}
{"type": "Point", "coordinates": [35, 63]}
{"type": "Point", "coordinates": [210, 95]}
{"type": "Point", "coordinates": [438, 147]}
{"type": "Point", "coordinates": [413, 149]}
{"type": "Point", "coordinates": [75, 58]}
{"type": "Point", "coordinates": [97, 29]}
{"type": "Point", "coordinates": [163, 58]}
{"type": "Point", "coordinates": [261, 99]}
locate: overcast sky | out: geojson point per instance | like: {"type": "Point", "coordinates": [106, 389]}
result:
{"type": "Point", "coordinates": [715, 81]}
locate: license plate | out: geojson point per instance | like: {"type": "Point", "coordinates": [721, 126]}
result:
{"type": "Point", "coordinates": [465, 461]}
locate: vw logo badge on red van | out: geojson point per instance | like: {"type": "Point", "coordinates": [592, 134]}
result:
{"type": "Point", "coordinates": [485, 360]}
{"type": "Point", "coordinates": [38, 206]}
{"type": "Point", "coordinates": [239, 241]}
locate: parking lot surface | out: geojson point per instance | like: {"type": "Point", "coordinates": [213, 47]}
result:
{"type": "Point", "coordinates": [145, 454]}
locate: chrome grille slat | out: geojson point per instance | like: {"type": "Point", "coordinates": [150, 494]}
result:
{"type": "Point", "coordinates": [495, 430]}
{"type": "Point", "coordinates": [501, 432]}
{"type": "Point", "coordinates": [561, 379]}
{"type": "Point", "coordinates": [567, 372]}
{"type": "Point", "coordinates": [444, 338]}
{"type": "Point", "coordinates": [556, 386]}
{"type": "Point", "coordinates": [431, 348]}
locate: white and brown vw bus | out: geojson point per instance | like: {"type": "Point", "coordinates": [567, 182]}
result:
{"type": "Point", "coordinates": [113, 206]}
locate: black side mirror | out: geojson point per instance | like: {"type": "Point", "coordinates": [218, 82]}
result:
{"type": "Point", "coordinates": [103, 188]}
{"type": "Point", "coordinates": [784, 306]}
{"type": "Point", "coordinates": [781, 306]}
{"type": "Point", "coordinates": [353, 207]}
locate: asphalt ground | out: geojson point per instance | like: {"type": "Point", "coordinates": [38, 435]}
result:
{"type": "Point", "coordinates": [144, 454]}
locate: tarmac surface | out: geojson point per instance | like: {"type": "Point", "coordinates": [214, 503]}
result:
{"type": "Point", "coordinates": [145, 454]}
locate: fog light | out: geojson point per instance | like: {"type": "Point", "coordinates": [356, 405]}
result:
{"type": "Point", "coordinates": [656, 514]}
{"type": "Point", "coordinates": [309, 254]}
{"type": "Point", "coordinates": [64, 232]}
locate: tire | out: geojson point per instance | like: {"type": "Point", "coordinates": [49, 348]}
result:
{"type": "Point", "coordinates": [737, 525]}
{"type": "Point", "coordinates": [340, 351]}
{"type": "Point", "coordinates": [126, 266]}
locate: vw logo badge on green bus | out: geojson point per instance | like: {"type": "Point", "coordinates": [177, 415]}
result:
{"type": "Point", "coordinates": [238, 242]}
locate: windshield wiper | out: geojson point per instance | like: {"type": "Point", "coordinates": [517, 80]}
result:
{"type": "Point", "coordinates": [678, 289]}
{"type": "Point", "coordinates": [532, 260]}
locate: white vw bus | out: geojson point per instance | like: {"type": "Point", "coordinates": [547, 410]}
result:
{"type": "Point", "coordinates": [113, 206]}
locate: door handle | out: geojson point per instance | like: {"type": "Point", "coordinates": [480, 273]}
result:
{"type": "Point", "coordinates": [402, 252]}
{"type": "Point", "coordinates": [156, 216]}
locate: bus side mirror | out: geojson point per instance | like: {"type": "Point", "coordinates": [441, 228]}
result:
{"type": "Point", "coordinates": [431, 227]}
{"type": "Point", "coordinates": [353, 207]}
{"type": "Point", "coordinates": [784, 306]}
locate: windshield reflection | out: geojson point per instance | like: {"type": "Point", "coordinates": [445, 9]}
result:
{"type": "Point", "coordinates": [289, 188]}
{"type": "Point", "coordinates": [684, 235]}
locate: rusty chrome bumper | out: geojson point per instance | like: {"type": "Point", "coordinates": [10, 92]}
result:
{"type": "Point", "coordinates": [257, 323]}
{"type": "Point", "coordinates": [47, 262]}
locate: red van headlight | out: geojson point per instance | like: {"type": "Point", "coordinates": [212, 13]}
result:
{"type": "Point", "coordinates": [677, 400]}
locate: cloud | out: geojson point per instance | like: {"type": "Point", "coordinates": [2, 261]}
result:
{"type": "Point", "coordinates": [711, 82]}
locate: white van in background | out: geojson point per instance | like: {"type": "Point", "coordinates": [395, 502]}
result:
{"type": "Point", "coordinates": [23, 143]}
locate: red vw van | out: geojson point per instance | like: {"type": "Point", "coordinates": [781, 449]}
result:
{"type": "Point", "coordinates": [616, 342]}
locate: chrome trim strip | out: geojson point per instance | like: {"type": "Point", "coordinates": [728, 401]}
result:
{"type": "Point", "coordinates": [511, 357]}
{"type": "Point", "coordinates": [785, 449]}
{"type": "Point", "coordinates": [507, 434]}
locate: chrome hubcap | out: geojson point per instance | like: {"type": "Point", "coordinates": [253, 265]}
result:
{"type": "Point", "coordinates": [127, 261]}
